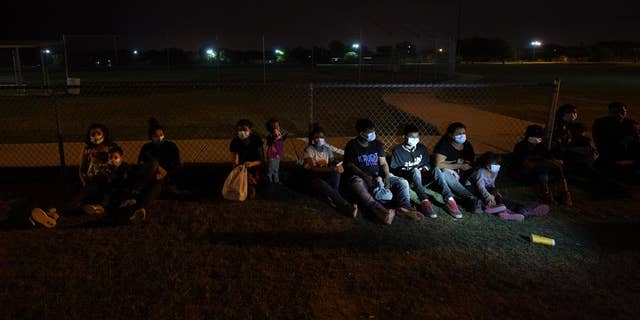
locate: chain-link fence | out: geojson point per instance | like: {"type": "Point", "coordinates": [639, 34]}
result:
{"type": "Point", "coordinates": [46, 126]}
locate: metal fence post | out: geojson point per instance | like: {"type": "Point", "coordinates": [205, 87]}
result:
{"type": "Point", "coordinates": [551, 116]}
{"type": "Point", "coordinates": [60, 138]}
{"type": "Point", "coordinates": [311, 119]}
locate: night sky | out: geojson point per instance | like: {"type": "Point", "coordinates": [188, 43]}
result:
{"type": "Point", "coordinates": [239, 24]}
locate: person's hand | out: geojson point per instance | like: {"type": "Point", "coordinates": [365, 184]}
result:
{"type": "Point", "coordinates": [370, 181]}
{"type": "Point", "coordinates": [161, 173]}
{"type": "Point", "coordinates": [491, 200]}
{"type": "Point", "coordinates": [557, 162]}
{"type": "Point", "coordinates": [338, 169]}
{"type": "Point", "coordinates": [424, 169]}
{"type": "Point", "coordinates": [128, 203]}
{"type": "Point", "coordinates": [465, 166]}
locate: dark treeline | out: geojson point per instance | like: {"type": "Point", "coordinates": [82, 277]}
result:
{"type": "Point", "coordinates": [474, 49]}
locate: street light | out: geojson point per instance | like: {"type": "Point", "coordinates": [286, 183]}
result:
{"type": "Point", "coordinates": [46, 51]}
{"type": "Point", "coordinates": [278, 52]}
{"type": "Point", "coordinates": [355, 46]}
{"type": "Point", "coordinates": [210, 53]}
{"type": "Point", "coordinates": [135, 52]}
{"type": "Point", "coordinates": [535, 44]}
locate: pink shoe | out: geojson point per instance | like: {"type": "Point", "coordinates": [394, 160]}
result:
{"type": "Point", "coordinates": [506, 215]}
{"type": "Point", "coordinates": [428, 209]}
{"type": "Point", "coordinates": [452, 208]}
{"type": "Point", "coordinates": [495, 209]}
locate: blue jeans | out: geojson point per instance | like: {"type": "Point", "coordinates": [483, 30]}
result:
{"type": "Point", "coordinates": [417, 179]}
{"type": "Point", "coordinates": [399, 187]}
{"type": "Point", "coordinates": [273, 170]}
{"type": "Point", "coordinates": [454, 185]}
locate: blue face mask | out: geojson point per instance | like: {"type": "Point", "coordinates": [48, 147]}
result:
{"type": "Point", "coordinates": [371, 136]}
{"type": "Point", "coordinates": [495, 168]}
{"type": "Point", "coordinates": [461, 138]}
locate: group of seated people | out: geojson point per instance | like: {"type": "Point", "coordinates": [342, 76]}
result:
{"type": "Point", "coordinates": [112, 188]}
{"type": "Point", "coordinates": [367, 180]}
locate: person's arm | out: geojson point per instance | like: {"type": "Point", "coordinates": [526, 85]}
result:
{"type": "Point", "coordinates": [440, 162]}
{"type": "Point", "coordinates": [258, 162]}
{"type": "Point", "coordinates": [481, 187]}
{"type": "Point", "coordinates": [384, 166]}
{"type": "Point", "coordinates": [235, 159]}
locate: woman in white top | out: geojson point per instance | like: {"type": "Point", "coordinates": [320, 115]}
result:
{"type": "Point", "coordinates": [325, 172]}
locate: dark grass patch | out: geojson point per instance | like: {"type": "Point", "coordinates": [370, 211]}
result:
{"type": "Point", "coordinates": [295, 257]}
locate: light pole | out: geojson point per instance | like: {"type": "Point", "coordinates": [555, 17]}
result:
{"type": "Point", "coordinates": [535, 44]}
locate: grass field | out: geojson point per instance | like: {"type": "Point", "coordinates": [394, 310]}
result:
{"type": "Point", "coordinates": [289, 256]}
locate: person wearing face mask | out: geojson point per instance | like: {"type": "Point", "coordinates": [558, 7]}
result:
{"type": "Point", "coordinates": [325, 173]}
{"type": "Point", "coordinates": [616, 138]}
{"type": "Point", "coordinates": [164, 153]}
{"type": "Point", "coordinates": [410, 160]}
{"type": "Point", "coordinates": [247, 149]}
{"type": "Point", "coordinates": [532, 162]}
{"type": "Point", "coordinates": [483, 181]}
{"type": "Point", "coordinates": [365, 162]}
{"type": "Point", "coordinates": [94, 163]}
{"type": "Point", "coordinates": [454, 156]}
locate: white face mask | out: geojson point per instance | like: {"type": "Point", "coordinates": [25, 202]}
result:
{"type": "Point", "coordinates": [534, 140]}
{"type": "Point", "coordinates": [97, 139]}
{"type": "Point", "coordinates": [412, 141]}
{"type": "Point", "coordinates": [370, 136]}
{"type": "Point", "coordinates": [243, 135]}
{"type": "Point", "coordinates": [461, 138]}
{"type": "Point", "coordinates": [495, 168]}
{"type": "Point", "coordinates": [319, 142]}
{"type": "Point", "coordinates": [157, 140]}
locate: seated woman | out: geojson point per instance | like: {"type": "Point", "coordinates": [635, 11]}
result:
{"type": "Point", "coordinates": [93, 177]}
{"type": "Point", "coordinates": [165, 153]}
{"type": "Point", "coordinates": [325, 173]}
{"type": "Point", "coordinates": [532, 162]}
{"type": "Point", "coordinates": [247, 149]}
{"type": "Point", "coordinates": [454, 156]}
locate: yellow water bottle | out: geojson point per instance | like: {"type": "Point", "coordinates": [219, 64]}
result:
{"type": "Point", "coordinates": [542, 240]}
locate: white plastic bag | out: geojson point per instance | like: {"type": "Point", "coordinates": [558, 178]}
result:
{"type": "Point", "coordinates": [236, 185]}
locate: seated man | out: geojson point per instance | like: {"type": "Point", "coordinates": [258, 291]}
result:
{"type": "Point", "coordinates": [617, 141]}
{"type": "Point", "coordinates": [410, 160]}
{"type": "Point", "coordinates": [364, 162]}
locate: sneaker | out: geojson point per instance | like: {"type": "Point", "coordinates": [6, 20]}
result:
{"type": "Point", "coordinates": [93, 209]}
{"type": "Point", "coordinates": [494, 209]}
{"type": "Point", "coordinates": [411, 214]}
{"type": "Point", "coordinates": [427, 209]}
{"type": "Point", "coordinates": [452, 208]}
{"type": "Point", "coordinates": [40, 217]}
{"type": "Point", "coordinates": [566, 199]}
{"type": "Point", "coordinates": [506, 215]}
{"type": "Point", "coordinates": [537, 211]}
{"type": "Point", "coordinates": [138, 216]}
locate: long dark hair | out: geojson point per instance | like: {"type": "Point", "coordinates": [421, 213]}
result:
{"type": "Point", "coordinates": [105, 134]}
{"type": "Point", "coordinates": [446, 137]}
